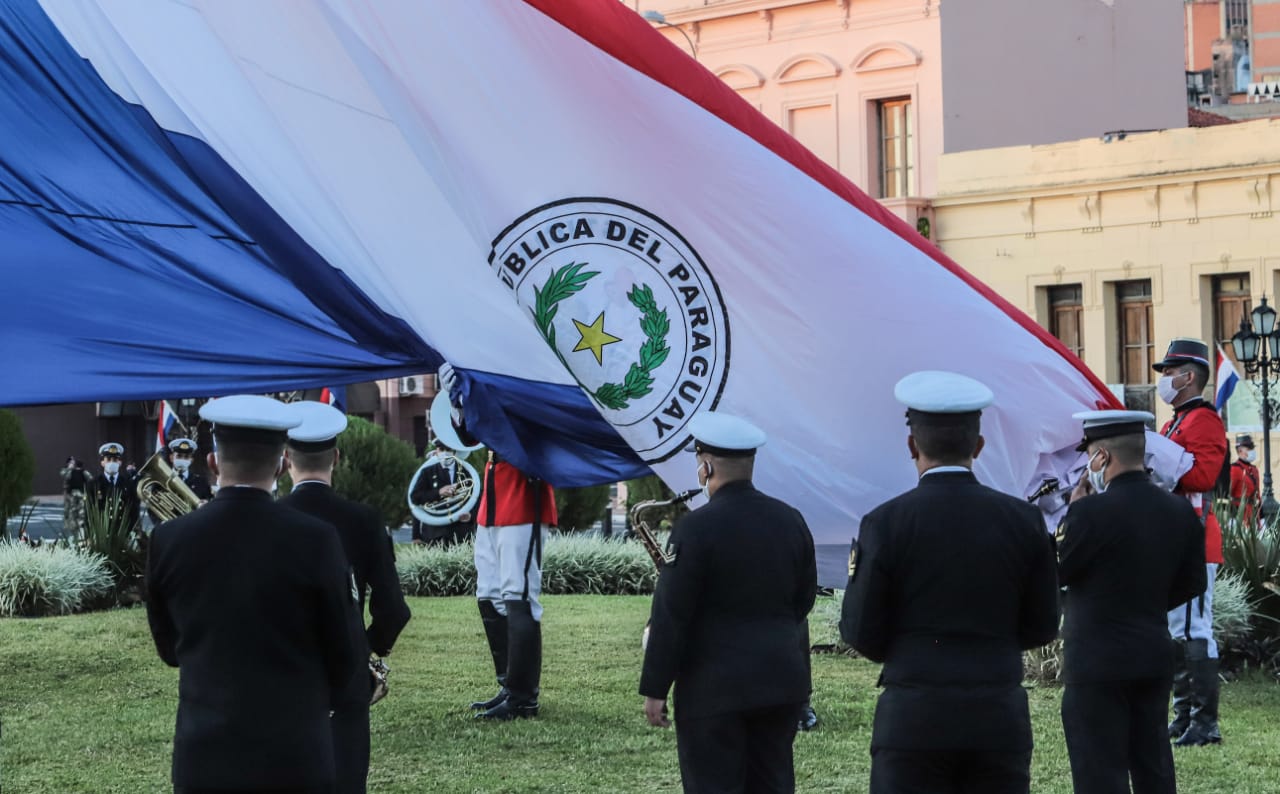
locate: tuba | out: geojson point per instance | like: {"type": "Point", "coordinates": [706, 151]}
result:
{"type": "Point", "coordinates": [447, 509]}
{"type": "Point", "coordinates": [163, 491]}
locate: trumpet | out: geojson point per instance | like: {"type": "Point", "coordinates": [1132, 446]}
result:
{"type": "Point", "coordinates": [163, 491]}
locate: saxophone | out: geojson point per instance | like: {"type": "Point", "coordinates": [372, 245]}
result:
{"type": "Point", "coordinates": [648, 538]}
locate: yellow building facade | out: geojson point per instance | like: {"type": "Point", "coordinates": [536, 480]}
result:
{"type": "Point", "coordinates": [1119, 243]}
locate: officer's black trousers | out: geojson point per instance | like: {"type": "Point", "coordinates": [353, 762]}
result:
{"type": "Point", "coordinates": [745, 751]}
{"type": "Point", "coordinates": [350, 727]}
{"type": "Point", "coordinates": [1116, 731]}
{"type": "Point", "coordinates": [949, 772]}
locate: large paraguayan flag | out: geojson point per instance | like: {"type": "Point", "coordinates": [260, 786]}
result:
{"type": "Point", "coordinates": [600, 235]}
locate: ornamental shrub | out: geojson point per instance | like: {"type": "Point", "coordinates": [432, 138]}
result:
{"type": "Point", "coordinates": [50, 580]}
{"type": "Point", "coordinates": [580, 508]}
{"type": "Point", "coordinates": [1252, 551]}
{"type": "Point", "coordinates": [572, 564]}
{"type": "Point", "coordinates": [374, 468]}
{"type": "Point", "coordinates": [17, 466]}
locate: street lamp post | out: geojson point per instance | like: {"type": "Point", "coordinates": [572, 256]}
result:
{"type": "Point", "coordinates": [657, 18]}
{"type": "Point", "coordinates": [1257, 347]}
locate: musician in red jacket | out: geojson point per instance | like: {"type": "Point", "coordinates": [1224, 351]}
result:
{"type": "Point", "coordinates": [511, 527]}
{"type": "Point", "coordinates": [1244, 481]}
{"type": "Point", "coordinates": [1198, 429]}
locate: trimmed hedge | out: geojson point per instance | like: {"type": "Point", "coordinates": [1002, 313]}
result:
{"type": "Point", "coordinates": [571, 565]}
{"type": "Point", "coordinates": [17, 467]}
{"type": "Point", "coordinates": [56, 580]}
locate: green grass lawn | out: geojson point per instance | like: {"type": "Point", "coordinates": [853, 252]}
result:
{"type": "Point", "coordinates": [88, 707]}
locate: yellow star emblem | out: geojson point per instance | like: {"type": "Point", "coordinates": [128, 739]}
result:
{"type": "Point", "coordinates": [593, 337]}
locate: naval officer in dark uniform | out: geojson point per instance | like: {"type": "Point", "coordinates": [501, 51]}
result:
{"type": "Point", "coordinates": [948, 584]}
{"type": "Point", "coordinates": [182, 451]}
{"type": "Point", "coordinates": [255, 605]}
{"type": "Point", "coordinates": [115, 489]}
{"type": "Point", "coordinates": [311, 455]}
{"type": "Point", "coordinates": [726, 622]}
{"type": "Point", "coordinates": [1126, 555]}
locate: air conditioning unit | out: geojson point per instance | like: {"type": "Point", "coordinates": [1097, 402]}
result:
{"type": "Point", "coordinates": [411, 385]}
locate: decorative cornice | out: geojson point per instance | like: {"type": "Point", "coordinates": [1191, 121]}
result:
{"type": "Point", "coordinates": [908, 56]}
{"type": "Point", "coordinates": [729, 8]}
{"type": "Point", "coordinates": [753, 78]}
{"type": "Point", "coordinates": [827, 67]}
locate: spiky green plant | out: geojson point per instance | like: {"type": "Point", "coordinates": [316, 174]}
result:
{"type": "Point", "coordinates": [111, 532]}
{"type": "Point", "coordinates": [24, 521]}
{"type": "Point", "coordinates": [1235, 612]}
{"type": "Point", "coordinates": [1252, 550]}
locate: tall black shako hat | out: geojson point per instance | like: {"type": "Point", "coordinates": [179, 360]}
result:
{"type": "Point", "coordinates": [249, 418]}
{"type": "Point", "coordinates": [937, 397]}
{"type": "Point", "coordinates": [1184, 351]}
{"type": "Point", "coordinates": [725, 436]}
{"type": "Point", "coordinates": [320, 427]}
{"type": "Point", "coordinates": [1109, 424]}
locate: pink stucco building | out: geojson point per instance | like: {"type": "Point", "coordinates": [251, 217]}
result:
{"type": "Point", "coordinates": [881, 88]}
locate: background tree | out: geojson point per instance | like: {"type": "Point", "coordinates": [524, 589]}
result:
{"type": "Point", "coordinates": [581, 508]}
{"type": "Point", "coordinates": [374, 468]}
{"type": "Point", "coordinates": [17, 467]}
{"type": "Point", "coordinates": [652, 487]}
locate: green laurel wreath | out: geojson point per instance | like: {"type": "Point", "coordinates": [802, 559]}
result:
{"type": "Point", "coordinates": [565, 282]}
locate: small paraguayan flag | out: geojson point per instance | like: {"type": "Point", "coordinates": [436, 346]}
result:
{"type": "Point", "coordinates": [1227, 378]}
{"type": "Point", "coordinates": [335, 396]}
{"type": "Point", "coordinates": [164, 423]}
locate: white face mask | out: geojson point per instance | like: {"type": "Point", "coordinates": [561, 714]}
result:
{"type": "Point", "coordinates": [1166, 389]}
{"type": "Point", "coordinates": [112, 467]}
{"type": "Point", "coordinates": [182, 464]}
{"type": "Point", "coordinates": [1097, 478]}
{"type": "Point", "coordinates": [707, 483]}
{"type": "Point", "coordinates": [1251, 455]}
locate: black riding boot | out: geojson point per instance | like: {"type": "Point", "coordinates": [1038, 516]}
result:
{"type": "Point", "coordinates": [1182, 700]}
{"type": "Point", "coordinates": [1204, 685]}
{"type": "Point", "coordinates": [495, 631]}
{"type": "Point", "coordinates": [524, 672]}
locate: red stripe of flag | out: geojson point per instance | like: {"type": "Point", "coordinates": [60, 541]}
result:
{"type": "Point", "coordinates": [623, 34]}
